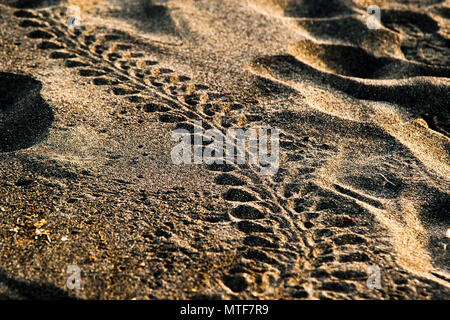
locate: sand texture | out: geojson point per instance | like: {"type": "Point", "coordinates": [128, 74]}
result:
{"type": "Point", "coordinates": [87, 179]}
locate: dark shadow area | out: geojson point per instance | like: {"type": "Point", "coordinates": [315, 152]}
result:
{"type": "Point", "coordinates": [347, 29]}
{"type": "Point", "coordinates": [409, 22]}
{"type": "Point", "coordinates": [25, 117]}
{"type": "Point", "coordinates": [424, 42]}
{"type": "Point", "coordinates": [265, 87]}
{"type": "Point", "coordinates": [430, 49]}
{"type": "Point", "coordinates": [437, 206]}
{"type": "Point", "coordinates": [30, 4]}
{"type": "Point", "coordinates": [24, 289]}
{"type": "Point", "coordinates": [147, 15]}
{"type": "Point", "coordinates": [158, 16]}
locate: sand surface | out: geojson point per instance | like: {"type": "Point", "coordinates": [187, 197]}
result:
{"type": "Point", "coordinates": [87, 179]}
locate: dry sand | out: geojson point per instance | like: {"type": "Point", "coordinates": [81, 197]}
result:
{"type": "Point", "coordinates": [87, 179]}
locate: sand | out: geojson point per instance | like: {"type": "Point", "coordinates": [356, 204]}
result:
{"type": "Point", "coordinates": [87, 177]}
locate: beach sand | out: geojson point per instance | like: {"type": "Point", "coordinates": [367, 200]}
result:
{"type": "Point", "coordinates": [87, 179]}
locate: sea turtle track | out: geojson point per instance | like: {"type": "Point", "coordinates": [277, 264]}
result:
{"type": "Point", "coordinates": [299, 239]}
